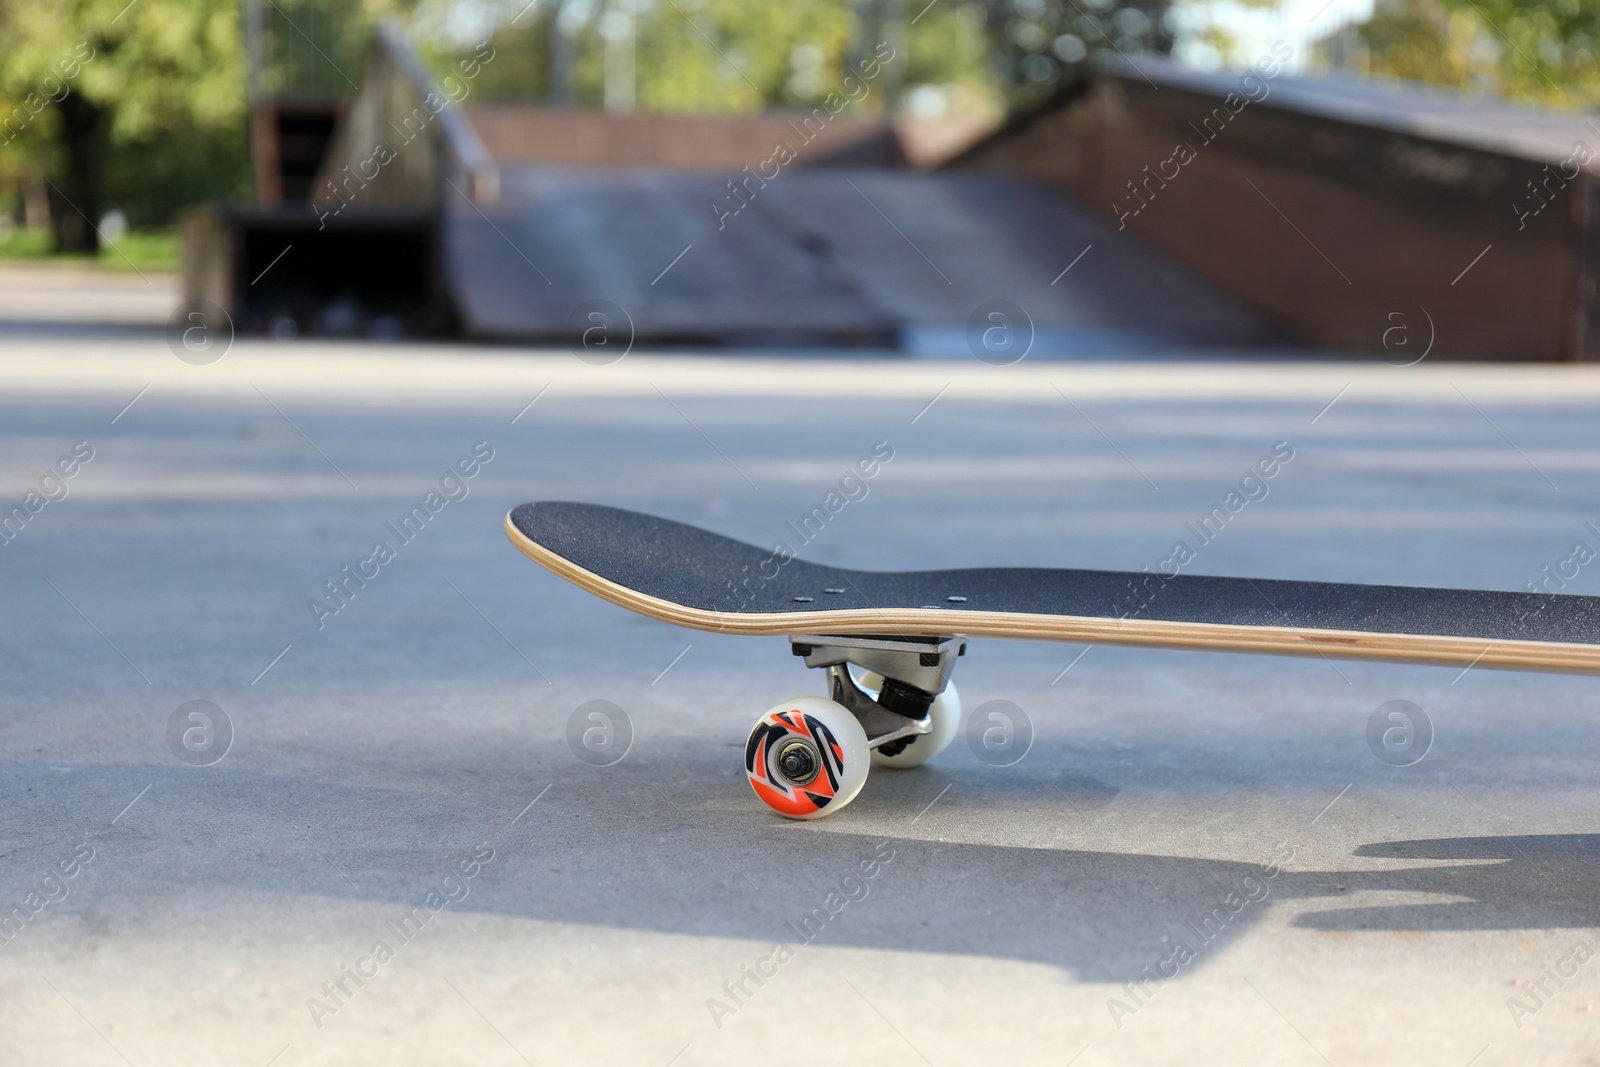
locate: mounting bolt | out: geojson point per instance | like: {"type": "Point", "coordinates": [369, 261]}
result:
{"type": "Point", "coordinates": [797, 761]}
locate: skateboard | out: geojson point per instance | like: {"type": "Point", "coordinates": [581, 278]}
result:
{"type": "Point", "coordinates": [903, 631]}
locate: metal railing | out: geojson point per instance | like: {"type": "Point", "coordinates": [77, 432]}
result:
{"type": "Point", "coordinates": [404, 141]}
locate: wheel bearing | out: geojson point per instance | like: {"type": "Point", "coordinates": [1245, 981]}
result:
{"type": "Point", "coordinates": [798, 761]}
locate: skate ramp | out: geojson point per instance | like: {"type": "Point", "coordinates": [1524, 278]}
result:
{"type": "Point", "coordinates": [843, 256]}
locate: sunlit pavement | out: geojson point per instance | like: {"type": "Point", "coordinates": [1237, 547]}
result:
{"type": "Point", "coordinates": [400, 858]}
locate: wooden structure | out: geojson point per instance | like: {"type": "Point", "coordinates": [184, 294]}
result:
{"type": "Point", "coordinates": [1353, 216]}
{"type": "Point", "coordinates": [502, 223]}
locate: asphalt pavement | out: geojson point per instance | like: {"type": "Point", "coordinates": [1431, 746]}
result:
{"type": "Point", "coordinates": [383, 839]}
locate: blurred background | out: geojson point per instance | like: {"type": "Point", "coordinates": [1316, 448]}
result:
{"type": "Point", "coordinates": [489, 169]}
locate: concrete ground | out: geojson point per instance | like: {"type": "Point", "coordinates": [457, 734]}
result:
{"type": "Point", "coordinates": [75, 302]}
{"type": "Point", "coordinates": [1198, 858]}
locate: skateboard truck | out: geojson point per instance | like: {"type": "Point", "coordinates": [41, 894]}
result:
{"type": "Point", "coordinates": [913, 672]}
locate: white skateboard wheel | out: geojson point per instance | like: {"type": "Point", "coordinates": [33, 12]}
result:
{"type": "Point", "coordinates": [944, 715]}
{"type": "Point", "coordinates": [807, 758]}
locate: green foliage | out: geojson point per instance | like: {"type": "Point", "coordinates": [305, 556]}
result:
{"type": "Point", "coordinates": [742, 55]}
{"type": "Point", "coordinates": [948, 47]}
{"type": "Point", "coordinates": [1545, 51]}
{"type": "Point", "coordinates": [691, 56]}
{"type": "Point", "coordinates": [151, 179]}
{"type": "Point", "coordinates": [137, 105]}
{"type": "Point", "coordinates": [142, 105]}
{"type": "Point", "coordinates": [1040, 46]}
{"type": "Point", "coordinates": [316, 47]}
{"type": "Point", "coordinates": [18, 243]}
{"type": "Point", "coordinates": [145, 250]}
{"type": "Point", "coordinates": [520, 69]}
{"type": "Point", "coordinates": [150, 63]}
{"type": "Point", "coordinates": [710, 56]}
{"type": "Point", "coordinates": [1412, 40]}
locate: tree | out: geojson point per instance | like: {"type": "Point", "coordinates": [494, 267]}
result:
{"type": "Point", "coordinates": [1040, 46]}
{"type": "Point", "coordinates": [1544, 51]}
{"type": "Point", "coordinates": [83, 80]}
{"type": "Point", "coordinates": [1420, 40]}
{"type": "Point", "coordinates": [689, 56]}
{"type": "Point", "coordinates": [742, 55]}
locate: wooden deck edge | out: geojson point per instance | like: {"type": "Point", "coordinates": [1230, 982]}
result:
{"type": "Point", "coordinates": [1147, 633]}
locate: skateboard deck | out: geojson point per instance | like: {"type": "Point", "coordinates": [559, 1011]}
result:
{"type": "Point", "coordinates": [692, 577]}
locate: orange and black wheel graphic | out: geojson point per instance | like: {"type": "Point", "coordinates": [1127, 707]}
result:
{"type": "Point", "coordinates": [806, 758]}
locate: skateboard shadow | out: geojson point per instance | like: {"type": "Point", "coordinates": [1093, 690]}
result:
{"type": "Point", "coordinates": [1512, 882]}
{"type": "Point", "coordinates": [625, 852]}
